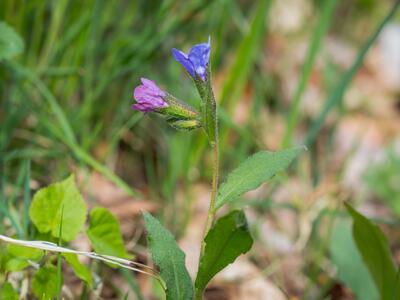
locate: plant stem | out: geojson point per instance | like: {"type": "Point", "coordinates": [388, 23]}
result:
{"type": "Point", "coordinates": [198, 295]}
{"type": "Point", "coordinates": [211, 210]}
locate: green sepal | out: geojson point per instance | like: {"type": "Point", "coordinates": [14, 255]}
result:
{"type": "Point", "coordinates": [178, 109]}
{"type": "Point", "coordinates": [208, 106]}
{"type": "Point", "coordinates": [184, 124]}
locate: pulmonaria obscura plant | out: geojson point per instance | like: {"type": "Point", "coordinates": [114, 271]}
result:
{"type": "Point", "coordinates": [58, 212]}
{"type": "Point", "coordinates": [227, 237]}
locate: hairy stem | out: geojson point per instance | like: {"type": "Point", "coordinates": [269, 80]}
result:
{"type": "Point", "coordinates": [198, 295]}
{"type": "Point", "coordinates": [211, 210]}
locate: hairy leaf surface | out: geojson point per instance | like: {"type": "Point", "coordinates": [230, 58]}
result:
{"type": "Point", "coordinates": [253, 172]}
{"type": "Point", "coordinates": [225, 241]}
{"type": "Point", "coordinates": [170, 259]}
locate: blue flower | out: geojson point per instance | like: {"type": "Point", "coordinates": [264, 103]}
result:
{"type": "Point", "coordinates": [196, 61]}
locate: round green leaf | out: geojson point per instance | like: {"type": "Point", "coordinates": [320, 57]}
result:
{"type": "Point", "coordinates": [60, 205]}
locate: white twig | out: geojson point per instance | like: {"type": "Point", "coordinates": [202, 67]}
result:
{"type": "Point", "coordinates": [48, 246]}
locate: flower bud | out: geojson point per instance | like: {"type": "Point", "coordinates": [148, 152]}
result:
{"type": "Point", "coordinates": [150, 98]}
{"type": "Point", "coordinates": [184, 124]}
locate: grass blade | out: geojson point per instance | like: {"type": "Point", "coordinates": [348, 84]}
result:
{"type": "Point", "coordinates": [335, 98]}
{"type": "Point", "coordinates": [27, 197]}
{"type": "Point", "coordinates": [319, 32]}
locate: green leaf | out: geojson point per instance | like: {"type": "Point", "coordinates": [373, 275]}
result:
{"type": "Point", "coordinates": [80, 270]}
{"type": "Point", "coordinates": [44, 285]}
{"type": "Point", "coordinates": [253, 172]}
{"type": "Point", "coordinates": [375, 251]}
{"type": "Point", "coordinates": [170, 259]}
{"type": "Point", "coordinates": [59, 199]}
{"type": "Point", "coordinates": [16, 265]}
{"type": "Point", "coordinates": [348, 261]}
{"type": "Point", "coordinates": [7, 292]}
{"type": "Point", "coordinates": [225, 241]}
{"type": "Point", "coordinates": [22, 252]}
{"type": "Point", "coordinates": [105, 234]}
{"type": "Point", "coordinates": [11, 43]}
{"type": "Point", "coordinates": [18, 257]}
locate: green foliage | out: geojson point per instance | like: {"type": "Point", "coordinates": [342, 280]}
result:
{"type": "Point", "coordinates": [170, 259]}
{"type": "Point", "coordinates": [7, 292]}
{"type": "Point", "coordinates": [253, 172]}
{"type": "Point", "coordinates": [44, 283]}
{"type": "Point", "coordinates": [105, 234]}
{"type": "Point", "coordinates": [18, 257]}
{"type": "Point", "coordinates": [350, 266]}
{"type": "Point", "coordinates": [80, 270]}
{"type": "Point", "coordinates": [59, 200]}
{"type": "Point", "coordinates": [225, 241]}
{"type": "Point", "coordinates": [375, 251]}
{"type": "Point", "coordinates": [11, 43]}
{"type": "Point", "coordinates": [24, 252]}
{"type": "Point", "coordinates": [246, 54]}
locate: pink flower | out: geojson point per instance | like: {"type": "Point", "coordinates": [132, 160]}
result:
{"type": "Point", "coordinates": [149, 96]}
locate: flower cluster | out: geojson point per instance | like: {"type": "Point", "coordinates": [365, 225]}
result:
{"type": "Point", "coordinates": [151, 98]}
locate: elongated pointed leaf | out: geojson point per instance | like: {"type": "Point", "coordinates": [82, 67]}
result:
{"type": "Point", "coordinates": [225, 241]}
{"type": "Point", "coordinates": [375, 251]}
{"type": "Point", "coordinates": [351, 269]}
{"type": "Point", "coordinates": [253, 172]}
{"type": "Point", "coordinates": [170, 259]}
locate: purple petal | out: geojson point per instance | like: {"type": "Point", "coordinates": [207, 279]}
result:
{"type": "Point", "coordinates": [183, 59]}
{"type": "Point", "coordinates": [141, 93]}
{"type": "Point", "coordinates": [199, 56]}
{"type": "Point", "coordinates": [151, 85]}
{"type": "Point", "coordinates": [149, 96]}
{"type": "Point", "coordinates": [141, 107]}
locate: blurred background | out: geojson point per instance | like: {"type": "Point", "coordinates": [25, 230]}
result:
{"type": "Point", "coordinates": [325, 74]}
